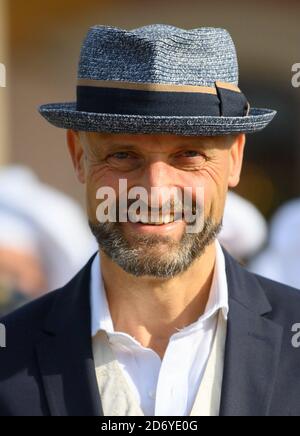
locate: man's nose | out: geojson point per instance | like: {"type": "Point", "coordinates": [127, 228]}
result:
{"type": "Point", "coordinates": [159, 179]}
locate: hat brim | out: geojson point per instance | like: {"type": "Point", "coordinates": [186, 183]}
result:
{"type": "Point", "coordinates": [65, 115]}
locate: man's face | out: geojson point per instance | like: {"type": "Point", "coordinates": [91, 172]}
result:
{"type": "Point", "coordinates": [161, 161]}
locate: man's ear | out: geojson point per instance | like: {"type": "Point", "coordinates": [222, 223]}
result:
{"type": "Point", "coordinates": [77, 154]}
{"type": "Point", "coordinates": [236, 155]}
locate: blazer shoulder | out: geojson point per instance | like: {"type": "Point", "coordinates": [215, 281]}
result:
{"type": "Point", "coordinates": [33, 314]}
{"type": "Point", "coordinates": [23, 329]}
{"type": "Point", "coordinates": [30, 316]}
{"type": "Point", "coordinates": [285, 300]}
{"type": "Point", "coordinates": [278, 289]}
{"type": "Point", "coordinates": [26, 329]}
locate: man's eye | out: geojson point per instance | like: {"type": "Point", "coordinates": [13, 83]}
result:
{"type": "Point", "coordinates": [124, 161]}
{"type": "Point", "coordinates": [120, 155]}
{"type": "Point", "coordinates": [190, 153]}
{"type": "Point", "coordinates": [189, 160]}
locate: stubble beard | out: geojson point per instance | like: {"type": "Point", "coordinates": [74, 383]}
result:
{"type": "Point", "coordinates": [154, 255]}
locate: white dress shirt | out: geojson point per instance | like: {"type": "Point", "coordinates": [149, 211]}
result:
{"type": "Point", "coordinates": [165, 387]}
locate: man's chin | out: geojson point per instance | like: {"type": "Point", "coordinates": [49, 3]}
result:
{"type": "Point", "coordinates": [153, 254]}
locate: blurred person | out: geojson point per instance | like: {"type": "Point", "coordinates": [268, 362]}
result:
{"type": "Point", "coordinates": [21, 272]}
{"type": "Point", "coordinates": [280, 260]}
{"type": "Point", "coordinates": [244, 229]}
{"type": "Point", "coordinates": [39, 251]}
{"type": "Point", "coordinates": [161, 321]}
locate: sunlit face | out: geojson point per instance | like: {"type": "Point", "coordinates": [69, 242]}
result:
{"type": "Point", "coordinates": [161, 161]}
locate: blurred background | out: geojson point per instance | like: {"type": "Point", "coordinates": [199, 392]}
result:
{"type": "Point", "coordinates": [40, 44]}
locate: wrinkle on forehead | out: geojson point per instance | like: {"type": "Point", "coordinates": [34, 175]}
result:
{"type": "Point", "coordinates": [111, 140]}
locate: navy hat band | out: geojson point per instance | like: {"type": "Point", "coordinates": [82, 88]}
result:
{"type": "Point", "coordinates": [161, 100]}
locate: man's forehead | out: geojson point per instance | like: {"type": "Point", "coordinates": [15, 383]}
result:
{"type": "Point", "coordinates": [115, 139]}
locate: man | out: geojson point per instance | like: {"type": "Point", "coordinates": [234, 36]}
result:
{"type": "Point", "coordinates": [161, 321]}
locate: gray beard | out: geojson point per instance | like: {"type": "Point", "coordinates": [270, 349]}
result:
{"type": "Point", "coordinates": [143, 255]}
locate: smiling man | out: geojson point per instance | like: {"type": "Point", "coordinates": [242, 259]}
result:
{"type": "Point", "coordinates": [148, 262]}
{"type": "Point", "coordinates": [161, 321]}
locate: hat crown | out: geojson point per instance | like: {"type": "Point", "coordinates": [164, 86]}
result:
{"type": "Point", "coordinates": [159, 53]}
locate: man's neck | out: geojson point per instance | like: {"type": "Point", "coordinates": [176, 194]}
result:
{"type": "Point", "coordinates": [151, 310]}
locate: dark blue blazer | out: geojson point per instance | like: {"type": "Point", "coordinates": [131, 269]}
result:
{"type": "Point", "coordinates": [47, 367]}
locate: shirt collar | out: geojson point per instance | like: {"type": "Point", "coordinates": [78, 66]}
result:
{"type": "Point", "coordinates": [218, 298]}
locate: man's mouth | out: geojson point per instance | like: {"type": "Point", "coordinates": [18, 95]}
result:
{"type": "Point", "coordinates": [158, 221]}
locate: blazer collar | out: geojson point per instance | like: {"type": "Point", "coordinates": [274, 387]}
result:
{"type": "Point", "coordinates": [244, 287]}
{"type": "Point", "coordinates": [253, 346]}
{"type": "Point", "coordinates": [65, 354]}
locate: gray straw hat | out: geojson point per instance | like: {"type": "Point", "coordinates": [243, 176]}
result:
{"type": "Point", "coordinates": [158, 79]}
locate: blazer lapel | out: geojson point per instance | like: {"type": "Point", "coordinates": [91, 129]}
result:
{"type": "Point", "coordinates": [252, 347]}
{"type": "Point", "coordinates": [65, 354]}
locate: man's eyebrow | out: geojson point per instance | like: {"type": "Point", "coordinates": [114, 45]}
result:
{"type": "Point", "coordinates": [201, 145]}
{"type": "Point", "coordinates": [120, 145]}
{"type": "Point", "coordinates": [124, 145]}
{"type": "Point", "coordinates": [194, 144]}
{"type": "Point", "coordinates": [181, 144]}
